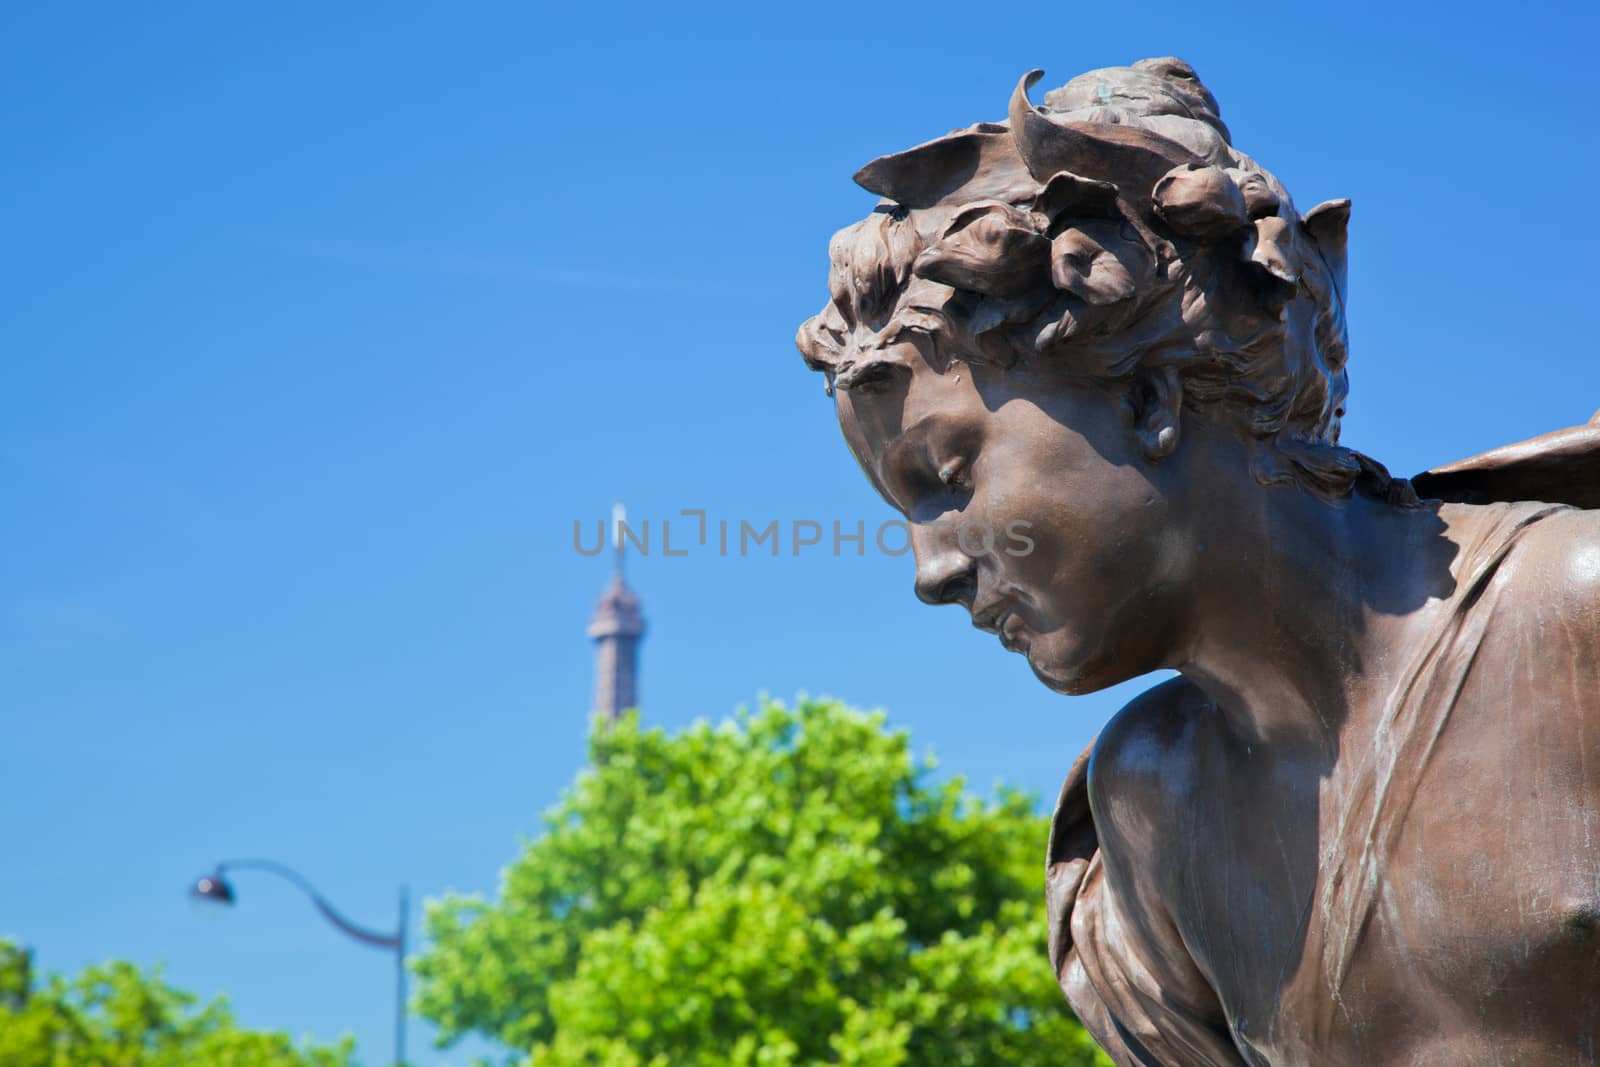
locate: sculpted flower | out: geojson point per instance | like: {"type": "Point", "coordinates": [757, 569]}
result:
{"type": "Point", "coordinates": [990, 248]}
{"type": "Point", "coordinates": [1202, 203]}
{"type": "Point", "coordinates": [1101, 263]}
{"type": "Point", "coordinates": [1259, 199]}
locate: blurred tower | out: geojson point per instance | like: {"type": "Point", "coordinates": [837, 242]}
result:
{"type": "Point", "coordinates": [617, 629]}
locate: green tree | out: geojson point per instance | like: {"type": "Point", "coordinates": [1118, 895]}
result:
{"type": "Point", "coordinates": [116, 1015]}
{"type": "Point", "coordinates": [788, 888]}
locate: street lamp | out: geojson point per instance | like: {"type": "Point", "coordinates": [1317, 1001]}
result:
{"type": "Point", "coordinates": [215, 888]}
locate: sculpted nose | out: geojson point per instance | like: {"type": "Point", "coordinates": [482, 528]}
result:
{"type": "Point", "coordinates": [945, 574]}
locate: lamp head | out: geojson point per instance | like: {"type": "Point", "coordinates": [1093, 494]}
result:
{"type": "Point", "coordinates": [213, 887]}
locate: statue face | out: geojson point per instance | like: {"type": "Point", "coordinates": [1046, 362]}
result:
{"type": "Point", "coordinates": [975, 456]}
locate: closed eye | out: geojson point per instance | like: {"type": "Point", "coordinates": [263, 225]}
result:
{"type": "Point", "coordinates": [951, 492]}
{"type": "Point", "coordinates": [929, 467]}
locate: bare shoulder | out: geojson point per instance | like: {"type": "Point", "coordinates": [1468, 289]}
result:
{"type": "Point", "coordinates": [1151, 730]}
{"type": "Point", "coordinates": [1144, 784]}
{"type": "Point", "coordinates": [1556, 573]}
{"type": "Point", "coordinates": [1146, 763]}
{"type": "Point", "coordinates": [1572, 540]}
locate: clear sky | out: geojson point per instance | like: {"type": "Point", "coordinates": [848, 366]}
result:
{"type": "Point", "coordinates": [323, 323]}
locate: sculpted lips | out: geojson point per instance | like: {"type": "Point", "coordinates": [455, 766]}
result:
{"type": "Point", "coordinates": [1002, 619]}
{"type": "Point", "coordinates": [989, 617]}
{"type": "Point", "coordinates": [1013, 633]}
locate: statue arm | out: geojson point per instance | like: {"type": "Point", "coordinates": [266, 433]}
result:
{"type": "Point", "coordinates": [1145, 1003]}
{"type": "Point", "coordinates": [1074, 846]}
{"type": "Point", "coordinates": [1095, 1017]}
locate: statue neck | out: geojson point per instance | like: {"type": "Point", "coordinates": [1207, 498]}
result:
{"type": "Point", "coordinates": [1295, 600]}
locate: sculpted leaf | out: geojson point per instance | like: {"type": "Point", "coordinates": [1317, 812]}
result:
{"type": "Point", "coordinates": [1071, 195]}
{"type": "Point", "coordinates": [1273, 249]}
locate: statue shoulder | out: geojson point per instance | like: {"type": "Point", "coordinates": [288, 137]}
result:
{"type": "Point", "coordinates": [1129, 978]}
{"type": "Point", "coordinates": [1146, 779]}
{"type": "Point", "coordinates": [1146, 753]}
{"type": "Point", "coordinates": [1129, 757]}
{"type": "Point", "coordinates": [1558, 574]}
{"type": "Point", "coordinates": [1122, 782]}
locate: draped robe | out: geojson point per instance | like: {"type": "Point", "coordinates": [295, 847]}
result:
{"type": "Point", "coordinates": [1486, 652]}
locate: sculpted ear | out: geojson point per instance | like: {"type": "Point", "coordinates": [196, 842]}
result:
{"type": "Point", "coordinates": [1157, 404]}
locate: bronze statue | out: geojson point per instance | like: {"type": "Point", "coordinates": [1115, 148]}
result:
{"type": "Point", "coordinates": [1362, 824]}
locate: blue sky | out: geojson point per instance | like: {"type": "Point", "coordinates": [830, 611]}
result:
{"type": "Point", "coordinates": [323, 323]}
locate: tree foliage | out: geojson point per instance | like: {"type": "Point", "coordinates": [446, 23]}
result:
{"type": "Point", "coordinates": [116, 1015]}
{"type": "Point", "coordinates": [790, 887]}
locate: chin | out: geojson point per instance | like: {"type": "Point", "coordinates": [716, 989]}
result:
{"type": "Point", "coordinates": [1074, 672]}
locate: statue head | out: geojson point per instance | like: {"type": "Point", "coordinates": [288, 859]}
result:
{"type": "Point", "coordinates": [1038, 318]}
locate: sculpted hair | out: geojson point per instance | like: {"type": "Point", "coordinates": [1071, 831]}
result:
{"type": "Point", "coordinates": [1112, 230]}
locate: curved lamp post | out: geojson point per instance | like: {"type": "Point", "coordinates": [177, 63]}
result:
{"type": "Point", "coordinates": [216, 888]}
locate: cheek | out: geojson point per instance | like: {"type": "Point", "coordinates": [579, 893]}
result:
{"type": "Point", "coordinates": [850, 427]}
{"type": "Point", "coordinates": [1096, 528]}
{"type": "Point", "coordinates": [863, 451]}
{"type": "Point", "coordinates": [1078, 498]}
